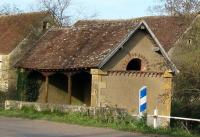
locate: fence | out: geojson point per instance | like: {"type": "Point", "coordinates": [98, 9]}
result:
{"type": "Point", "coordinates": [156, 116]}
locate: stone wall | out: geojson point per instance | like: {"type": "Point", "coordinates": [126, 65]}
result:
{"type": "Point", "coordinates": [4, 69]}
{"type": "Point", "coordinates": [115, 86]}
{"type": "Point", "coordinates": [7, 62]}
{"type": "Point", "coordinates": [18, 53]}
{"type": "Point", "coordinates": [9, 104]}
{"type": "Point", "coordinates": [121, 89]}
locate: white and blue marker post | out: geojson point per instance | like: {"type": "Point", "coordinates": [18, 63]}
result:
{"type": "Point", "coordinates": [142, 101]}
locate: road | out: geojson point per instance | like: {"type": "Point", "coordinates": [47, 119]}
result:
{"type": "Point", "coordinates": [14, 127]}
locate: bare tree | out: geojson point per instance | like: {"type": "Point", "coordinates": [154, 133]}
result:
{"type": "Point", "coordinates": [177, 7]}
{"type": "Point", "coordinates": [8, 9]}
{"type": "Point", "coordinates": [58, 9]}
{"type": "Point", "coordinates": [186, 94]}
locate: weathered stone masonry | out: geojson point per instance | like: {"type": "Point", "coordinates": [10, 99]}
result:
{"type": "Point", "coordinates": [121, 88]}
{"type": "Point", "coordinates": [4, 72]}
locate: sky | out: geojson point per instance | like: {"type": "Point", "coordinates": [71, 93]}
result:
{"type": "Point", "coordinates": [104, 9]}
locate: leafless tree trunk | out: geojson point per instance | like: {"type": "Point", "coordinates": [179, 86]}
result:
{"type": "Point", "coordinates": [178, 7]}
{"type": "Point", "coordinates": [58, 9]}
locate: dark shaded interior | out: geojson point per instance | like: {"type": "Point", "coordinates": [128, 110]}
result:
{"type": "Point", "coordinates": [81, 87]}
{"type": "Point", "coordinates": [134, 64]}
{"type": "Point", "coordinates": [44, 25]}
{"type": "Point", "coordinates": [33, 84]}
{"type": "Point", "coordinates": [58, 88]}
{"type": "Point", "coordinates": [59, 80]}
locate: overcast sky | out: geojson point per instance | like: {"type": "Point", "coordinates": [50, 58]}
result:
{"type": "Point", "coordinates": [105, 9]}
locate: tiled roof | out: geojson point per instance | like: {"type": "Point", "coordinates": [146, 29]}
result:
{"type": "Point", "coordinates": [14, 28]}
{"type": "Point", "coordinates": [87, 43]}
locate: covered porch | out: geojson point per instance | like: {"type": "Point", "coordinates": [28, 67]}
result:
{"type": "Point", "coordinates": [71, 87]}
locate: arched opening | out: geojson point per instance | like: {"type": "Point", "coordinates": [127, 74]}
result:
{"type": "Point", "coordinates": [33, 85]}
{"type": "Point", "coordinates": [134, 64]}
{"type": "Point", "coordinates": [81, 88]}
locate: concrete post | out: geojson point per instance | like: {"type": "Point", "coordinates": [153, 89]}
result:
{"type": "Point", "coordinates": [155, 119]}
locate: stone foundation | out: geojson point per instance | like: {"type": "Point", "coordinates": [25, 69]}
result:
{"type": "Point", "coordinates": [64, 108]}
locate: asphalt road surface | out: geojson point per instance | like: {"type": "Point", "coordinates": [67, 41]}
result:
{"type": "Point", "coordinates": [14, 127]}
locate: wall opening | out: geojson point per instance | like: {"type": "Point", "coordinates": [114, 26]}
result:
{"type": "Point", "coordinates": [81, 88]}
{"type": "Point", "coordinates": [44, 25]}
{"type": "Point", "coordinates": [134, 64]}
{"type": "Point", "coordinates": [33, 84]}
{"type": "Point", "coordinates": [58, 81]}
{"type": "Point", "coordinates": [57, 88]}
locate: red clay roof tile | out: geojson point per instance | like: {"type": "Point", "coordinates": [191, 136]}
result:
{"type": "Point", "coordinates": [87, 43]}
{"type": "Point", "coordinates": [14, 28]}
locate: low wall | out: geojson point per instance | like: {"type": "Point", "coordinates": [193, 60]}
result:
{"type": "Point", "coordinates": [9, 104]}
{"type": "Point", "coordinates": [103, 112]}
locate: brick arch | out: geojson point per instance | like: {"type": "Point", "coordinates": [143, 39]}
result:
{"type": "Point", "coordinates": [144, 66]}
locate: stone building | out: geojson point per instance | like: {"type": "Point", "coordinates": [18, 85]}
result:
{"type": "Point", "coordinates": [18, 33]}
{"type": "Point", "coordinates": [105, 63]}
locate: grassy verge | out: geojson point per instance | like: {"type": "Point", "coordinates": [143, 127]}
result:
{"type": "Point", "coordinates": [122, 123]}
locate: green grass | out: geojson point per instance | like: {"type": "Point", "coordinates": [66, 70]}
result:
{"type": "Point", "coordinates": [124, 123]}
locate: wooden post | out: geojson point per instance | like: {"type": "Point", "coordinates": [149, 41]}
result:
{"type": "Point", "coordinates": [46, 88]}
{"type": "Point", "coordinates": [69, 88]}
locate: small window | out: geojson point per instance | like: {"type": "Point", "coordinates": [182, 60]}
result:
{"type": "Point", "coordinates": [45, 25]}
{"type": "Point", "coordinates": [134, 64]}
{"type": "Point", "coordinates": [190, 41]}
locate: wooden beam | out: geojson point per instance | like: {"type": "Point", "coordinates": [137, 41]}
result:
{"type": "Point", "coordinates": [46, 88]}
{"type": "Point", "coordinates": [69, 88]}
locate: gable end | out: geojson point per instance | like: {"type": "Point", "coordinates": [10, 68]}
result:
{"type": "Point", "coordinates": [142, 25]}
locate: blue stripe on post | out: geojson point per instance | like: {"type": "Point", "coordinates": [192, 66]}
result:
{"type": "Point", "coordinates": [143, 92]}
{"type": "Point", "coordinates": [142, 99]}
{"type": "Point", "coordinates": [143, 107]}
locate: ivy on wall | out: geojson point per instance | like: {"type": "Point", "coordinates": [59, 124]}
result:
{"type": "Point", "coordinates": [27, 86]}
{"type": "Point", "coordinates": [21, 82]}
{"type": "Point", "coordinates": [32, 87]}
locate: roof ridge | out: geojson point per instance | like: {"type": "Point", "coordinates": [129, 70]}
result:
{"type": "Point", "coordinates": [130, 19]}
{"type": "Point", "coordinates": [60, 28]}
{"type": "Point", "coordinates": [24, 13]}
